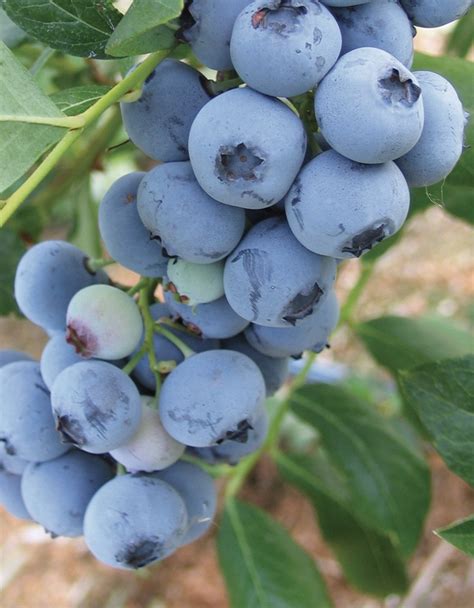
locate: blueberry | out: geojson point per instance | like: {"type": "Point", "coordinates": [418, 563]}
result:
{"type": "Point", "coordinates": [151, 448]}
{"type": "Point", "coordinates": [271, 279]}
{"type": "Point", "coordinates": [57, 492]}
{"type": "Point", "coordinates": [10, 356]}
{"type": "Point", "coordinates": [246, 148]}
{"type": "Point", "coordinates": [435, 13]}
{"type": "Point", "coordinates": [382, 24]}
{"type": "Point", "coordinates": [215, 320]}
{"type": "Point", "coordinates": [10, 495]}
{"type": "Point", "coordinates": [47, 277]}
{"type": "Point", "coordinates": [184, 219]}
{"type": "Point", "coordinates": [231, 452]}
{"type": "Point", "coordinates": [284, 47]}
{"type": "Point", "coordinates": [344, 2]}
{"type": "Point", "coordinates": [56, 356]}
{"type": "Point", "coordinates": [342, 209]}
{"type": "Point", "coordinates": [195, 283]}
{"type": "Point", "coordinates": [133, 521]}
{"type": "Point", "coordinates": [124, 235]}
{"type": "Point", "coordinates": [27, 425]}
{"type": "Point", "coordinates": [103, 321]}
{"type": "Point", "coordinates": [197, 489]}
{"type": "Point", "coordinates": [274, 369]}
{"type": "Point", "coordinates": [369, 107]}
{"type": "Point", "coordinates": [96, 406]}
{"type": "Point", "coordinates": [312, 333]}
{"type": "Point", "coordinates": [441, 142]}
{"type": "Point", "coordinates": [164, 349]}
{"type": "Point", "coordinates": [9, 462]}
{"type": "Point", "coordinates": [211, 397]}
{"type": "Point", "coordinates": [159, 121]}
{"type": "Point", "coordinates": [208, 30]}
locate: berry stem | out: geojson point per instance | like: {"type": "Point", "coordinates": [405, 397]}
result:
{"type": "Point", "coordinates": [214, 470]}
{"type": "Point", "coordinates": [146, 293]}
{"type": "Point", "coordinates": [347, 311]}
{"type": "Point", "coordinates": [95, 264]}
{"type": "Point", "coordinates": [184, 348]}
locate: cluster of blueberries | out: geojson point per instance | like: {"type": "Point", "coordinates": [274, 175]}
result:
{"type": "Point", "coordinates": [243, 221]}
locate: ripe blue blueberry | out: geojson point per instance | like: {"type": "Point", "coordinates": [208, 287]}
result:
{"type": "Point", "coordinates": [382, 24]}
{"type": "Point", "coordinates": [96, 406]}
{"type": "Point", "coordinates": [197, 489]}
{"type": "Point", "coordinates": [56, 356]}
{"type": "Point", "coordinates": [271, 279]}
{"type": "Point", "coordinates": [184, 219]}
{"type": "Point", "coordinates": [134, 520]}
{"type": "Point", "coordinates": [208, 28]}
{"type": "Point", "coordinates": [246, 148]}
{"type": "Point", "coordinates": [10, 495]}
{"type": "Point", "coordinates": [27, 425]}
{"type": "Point", "coordinates": [369, 107]}
{"type": "Point", "coordinates": [159, 121]}
{"type": "Point", "coordinates": [274, 369]}
{"type": "Point", "coordinates": [435, 13]}
{"type": "Point", "coordinates": [10, 356]}
{"type": "Point", "coordinates": [211, 397]}
{"type": "Point", "coordinates": [441, 143]}
{"type": "Point", "coordinates": [57, 492]}
{"type": "Point", "coordinates": [47, 277]}
{"type": "Point", "coordinates": [124, 235]}
{"type": "Point", "coordinates": [284, 47]}
{"type": "Point", "coordinates": [231, 452]}
{"type": "Point", "coordinates": [312, 333]}
{"type": "Point", "coordinates": [342, 209]}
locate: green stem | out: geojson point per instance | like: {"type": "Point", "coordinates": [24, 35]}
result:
{"type": "Point", "coordinates": [146, 292]}
{"type": "Point", "coordinates": [246, 465]}
{"type": "Point", "coordinates": [184, 348]}
{"type": "Point", "coordinates": [135, 78]}
{"type": "Point", "coordinates": [214, 470]}
{"type": "Point", "coordinates": [11, 204]}
{"type": "Point", "coordinates": [347, 311]}
{"type": "Point", "coordinates": [134, 361]}
{"type": "Point", "coordinates": [95, 264]}
{"type": "Point", "coordinates": [68, 122]}
{"type": "Point", "coordinates": [41, 61]}
{"type": "Point", "coordinates": [137, 287]}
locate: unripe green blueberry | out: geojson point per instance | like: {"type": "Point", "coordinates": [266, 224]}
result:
{"type": "Point", "coordinates": [196, 283]}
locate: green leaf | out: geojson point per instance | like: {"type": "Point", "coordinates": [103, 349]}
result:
{"type": "Point", "coordinates": [401, 343]}
{"type": "Point", "coordinates": [78, 99]}
{"type": "Point", "coordinates": [78, 28]}
{"type": "Point", "coordinates": [462, 35]}
{"type": "Point", "coordinates": [21, 144]}
{"type": "Point", "coordinates": [369, 558]}
{"type": "Point", "coordinates": [456, 193]}
{"type": "Point", "coordinates": [442, 394]}
{"type": "Point", "coordinates": [460, 534]}
{"type": "Point", "coordinates": [141, 29]}
{"type": "Point", "coordinates": [10, 33]}
{"type": "Point", "coordinates": [85, 232]}
{"type": "Point", "coordinates": [388, 482]}
{"type": "Point", "coordinates": [262, 565]}
{"type": "Point", "coordinates": [11, 250]}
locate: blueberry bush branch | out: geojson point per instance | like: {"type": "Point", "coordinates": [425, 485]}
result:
{"type": "Point", "coordinates": [78, 124]}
